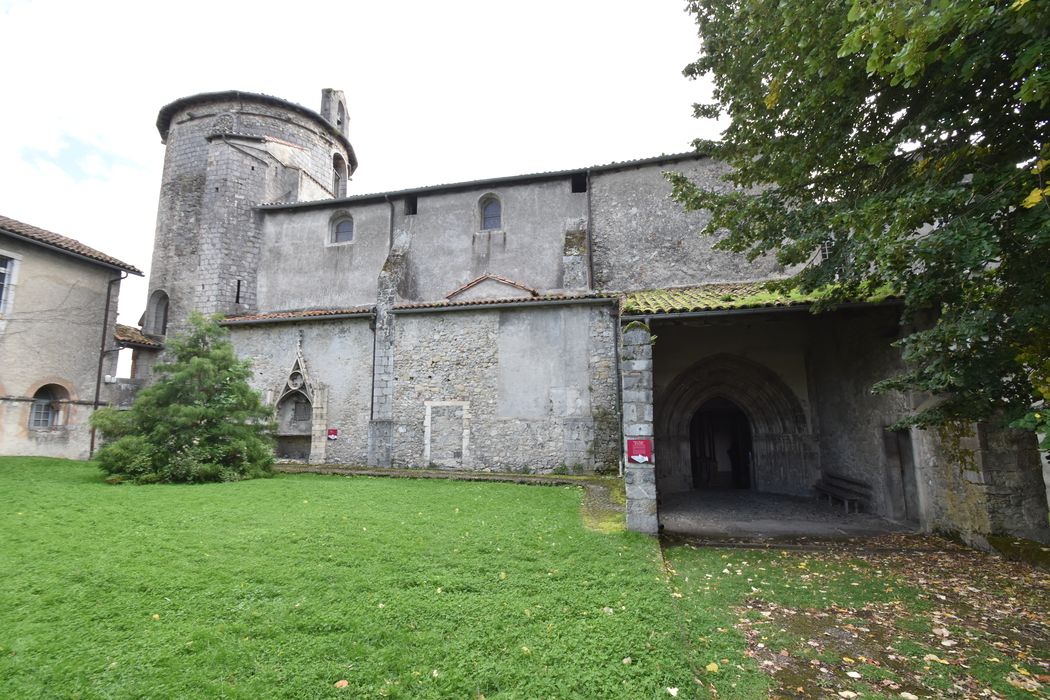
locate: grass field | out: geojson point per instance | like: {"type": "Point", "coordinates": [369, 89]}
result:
{"type": "Point", "coordinates": [285, 587]}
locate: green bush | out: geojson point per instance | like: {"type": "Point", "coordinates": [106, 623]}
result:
{"type": "Point", "coordinates": [200, 422]}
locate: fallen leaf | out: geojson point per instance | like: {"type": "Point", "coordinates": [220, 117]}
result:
{"type": "Point", "coordinates": [712, 667]}
{"type": "Point", "coordinates": [673, 692]}
{"type": "Point", "coordinates": [342, 683]}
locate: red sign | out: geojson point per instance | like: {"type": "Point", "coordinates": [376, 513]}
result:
{"type": "Point", "coordinates": [333, 433]}
{"type": "Point", "coordinates": [640, 451]}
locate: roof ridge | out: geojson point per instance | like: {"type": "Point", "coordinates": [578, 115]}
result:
{"type": "Point", "coordinates": [65, 244]}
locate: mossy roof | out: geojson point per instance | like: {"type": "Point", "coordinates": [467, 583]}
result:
{"type": "Point", "coordinates": [709, 297]}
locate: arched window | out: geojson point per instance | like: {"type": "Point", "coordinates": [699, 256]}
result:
{"type": "Point", "coordinates": [157, 315]}
{"type": "Point", "coordinates": [47, 407]}
{"type": "Point", "coordinates": [338, 176]}
{"type": "Point", "coordinates": [343, 230]}
{"type": "Point", "coordinates": [491, 213]}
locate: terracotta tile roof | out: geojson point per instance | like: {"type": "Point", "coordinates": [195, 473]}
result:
{"type": "Point", "coordinates": [540, 298]}
{"type": "Point", "coordinates": [131, 336]}
{"type": "Point", "coordinates": [62, 243]}
{"type": "Point", "coordinates": [299, 315]}
{"type": "Point", "coordinates": [708, 297]}
{"type": "Point", "coordinates": [496, 278]}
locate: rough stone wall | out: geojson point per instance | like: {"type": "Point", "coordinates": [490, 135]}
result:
{"type": "Point", "coordinates": [338, 357]}
{"type": "Point", "coordinates": [466, 371]}
{"type": "Point", "coordinates": [642, 239]}
{"type": "Point", "coordinates": [981, 481]}
{"type": "Point", "coordinates": [223, 158]}
{"type": "Point", "coordinates": [50, 334]}
{"type": "Point", "coordinates": [849, 352]}
{"type": "Point", "coordinates": [756, 361]}
{"type": "Point", "coordinates": [636, 376]}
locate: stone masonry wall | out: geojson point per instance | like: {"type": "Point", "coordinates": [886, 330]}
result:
{"type": "Point", "coordinates": [643, 239]}
{"type": "Point", "coordinates": [338, 358]}
{"type": "Point", "coordinates": [516, 390]}
{"type": "Point", "coordinates": [636, 373]}
{"type": "Point", "coordinates": [222, 159]}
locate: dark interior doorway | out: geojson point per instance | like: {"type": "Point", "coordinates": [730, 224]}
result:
{"type": "Point", "coordinates": [720, 446]}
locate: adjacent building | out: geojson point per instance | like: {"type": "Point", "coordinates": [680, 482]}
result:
{"type": "Point", "coordinates": [58, 310]}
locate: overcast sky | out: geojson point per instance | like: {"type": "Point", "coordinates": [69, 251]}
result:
{"type": "Point", "coordinates": [438, 92]}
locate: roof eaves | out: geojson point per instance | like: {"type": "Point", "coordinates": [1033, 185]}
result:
{"type": "Point", "coordinates": [483, 183]}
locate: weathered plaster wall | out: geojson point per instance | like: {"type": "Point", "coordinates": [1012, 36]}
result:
{"type": "Point", "coordinates": [530, 389]}
{"type": "Point", "coordinates": [53, 329]}
{"type": "Point", "coordinates": [449, 248]}
{"type": "Point", "coordinates": [642, 239]}
{"type": "Point", "coordinates": [299, 266]}
{"type": "Point", "coordinates": [338, 356]}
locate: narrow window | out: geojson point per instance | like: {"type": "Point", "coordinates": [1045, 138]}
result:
{"type": "Point", "coordinates": [491, 214]}
{"type": "Point", "coordinates": [156, 321]}
{"type": "Point", "coordinates": [301, 411]}
{"type": "Point", "coordinates": [343, 231]}
{"type": "Point", "coordinates": [6, 273]}
{"type": "Point", "coordinates": [237, 300]}
{"type": "Point", "coordinates": [338, 176]}
{"type": "Point", "coordinates": [579, 182]}
{"type": "Point", "coordinates": [411, 202]}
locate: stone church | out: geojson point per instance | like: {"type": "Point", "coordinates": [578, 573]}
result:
{"type": "Point", "coordinates": [567, 321]}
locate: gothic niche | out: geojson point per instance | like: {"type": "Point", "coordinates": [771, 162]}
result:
{"type": "Point", "coordinates": [295, 414]}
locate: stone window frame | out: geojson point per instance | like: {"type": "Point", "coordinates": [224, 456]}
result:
{"type": "Point", "coordinates": [340, 175]}
{"type": "Point", "coordinates": [483, 201]}
{"type": "Point", "coordinates": [10, 262]}
{"type": "Point", "coordinates": [337, 218]}
{"type": "Point", "coordinates": [48, 413]}
{"type": "Point", "coordinates": [155, 321]}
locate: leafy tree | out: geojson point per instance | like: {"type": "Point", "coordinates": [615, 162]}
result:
{"type": "Point", "coordinates": [909, 138]}
{"type": "Point", "coordinates": [200, 422]}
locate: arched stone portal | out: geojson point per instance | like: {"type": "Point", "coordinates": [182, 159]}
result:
{"type": "Point", "coordinates": [783, 457]}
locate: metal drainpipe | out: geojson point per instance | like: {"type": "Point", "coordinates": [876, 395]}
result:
{"type": "Point", "coordinates": [102, 352]}
{"type": "Point", "coordinates": [590, 250]}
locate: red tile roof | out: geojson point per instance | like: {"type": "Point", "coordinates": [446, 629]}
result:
{"type": "Point", "coordinates": [133, 337]}
{"type": "Point", "coordinates": [540, 298]}
{"type": "Point", "coordinates": [62, 243]}
{"type": "Point", "coordinates": [496, 278]}
{"type": "Point", "coordinates": [303, 314]}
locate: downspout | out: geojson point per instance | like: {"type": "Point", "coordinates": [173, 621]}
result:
{"type": "Point", "coordinates": [590, 251]}
{"type": "Point", "coordinates": [102, 352]}
{"type": "Point", "coordinates": [390, 233]}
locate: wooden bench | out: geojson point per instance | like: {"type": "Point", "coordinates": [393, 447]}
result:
{"type": "Point", "coordinates": [843, 488]}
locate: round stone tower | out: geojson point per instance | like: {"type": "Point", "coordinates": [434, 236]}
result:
{"type": "Point", "coordinates": [226, 153]}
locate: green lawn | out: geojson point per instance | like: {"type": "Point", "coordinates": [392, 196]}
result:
{"type": "Point", "coordinates": [431, 588]}
{"type": "Point", "coordinates": [283, 587]}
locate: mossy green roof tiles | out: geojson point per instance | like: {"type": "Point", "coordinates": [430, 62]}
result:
{"type": "Point", "coordinates": [731, 296]}
{"type": "Point", "coordinates": [709, 297]}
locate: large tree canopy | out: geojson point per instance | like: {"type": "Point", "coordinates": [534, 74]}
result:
{"type": "Point", "coordinates": [909, 139]}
